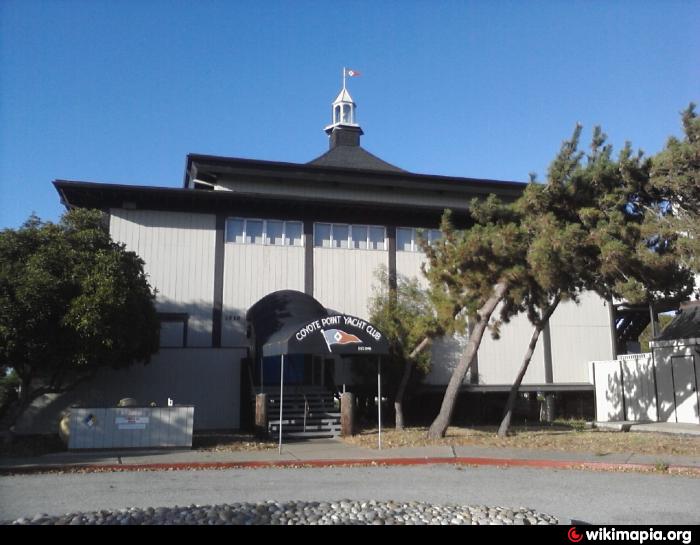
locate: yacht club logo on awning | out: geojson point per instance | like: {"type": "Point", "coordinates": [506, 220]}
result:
{"type": "Point", "coordinates": [338, 336]}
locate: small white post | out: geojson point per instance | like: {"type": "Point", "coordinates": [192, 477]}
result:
{"type": "Point", "coordinates": [281, 401]}
{"type": "Point", "coordinates": [379, 400]}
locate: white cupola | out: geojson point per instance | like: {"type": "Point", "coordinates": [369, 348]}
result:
{"type": "Point", "coordinates": [344, 109]}
{"type": "Point", "coordinates": [344, 129]}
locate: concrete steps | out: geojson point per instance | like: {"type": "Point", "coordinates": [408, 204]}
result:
{"type": "Point", "coordinates": [305, 413]}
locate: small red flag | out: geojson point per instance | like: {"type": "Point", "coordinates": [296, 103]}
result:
{"type": "Point", "coordinates": [353, 73]}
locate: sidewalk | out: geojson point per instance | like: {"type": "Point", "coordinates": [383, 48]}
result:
{"type": "Point", "coordinates": [330, 452]}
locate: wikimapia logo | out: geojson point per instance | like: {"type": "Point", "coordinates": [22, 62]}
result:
{"type": "Point", "coordinates": [636, 536]}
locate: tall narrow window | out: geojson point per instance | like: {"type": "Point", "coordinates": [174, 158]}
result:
{"type": "Point", "coordinates": [234, 231]}
{"type": "Point", "coordinates": [435, 234]}
{"type": "Point", "coordinates": [275, 232]}
{"type": "Point", "coordinates": [254, 232]}
{"type": "Point", "coordinates": [359, 237]}
{"type": "Point", "coordinates": [340, 236]}
{"type": "Point", "coordinates": [404, 239]}
{"type": "Point", "coordinates": [376, 238]}
{"type": "Point", "coordinates": [322, 235]}
{"type": "Point", "coordinates": [294, 233]}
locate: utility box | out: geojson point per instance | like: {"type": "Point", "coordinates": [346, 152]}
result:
{"type": "Point", "coordinates": [131, 427]}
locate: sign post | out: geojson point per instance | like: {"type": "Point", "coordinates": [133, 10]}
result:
{"type": "Point", "coordinates": [379, 399]}
{"type": "Point", "coordinates": [281, 401]}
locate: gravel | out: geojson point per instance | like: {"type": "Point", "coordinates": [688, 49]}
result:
{"type": "Point", "coordinates": [346, 512]}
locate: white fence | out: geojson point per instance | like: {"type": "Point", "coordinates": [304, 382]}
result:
{"type": "Point", "coordinates": [625, 389]}
{"type": "Point", "coordinates": [646, 388]}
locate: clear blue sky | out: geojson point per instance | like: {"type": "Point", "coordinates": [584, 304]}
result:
{"type": "Point", "coordinates": [121, 91]}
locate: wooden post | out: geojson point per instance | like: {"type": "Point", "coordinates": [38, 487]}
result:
{"type": "Point", "coordinates": [261, 415]}
{"type": "Point", "coordinates": [347, 414]}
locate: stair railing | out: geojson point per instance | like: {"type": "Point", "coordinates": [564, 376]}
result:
{"type": "Point", "coordinates": [306, 410]}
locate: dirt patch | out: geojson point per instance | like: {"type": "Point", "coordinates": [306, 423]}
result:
{"type": "Point", "coordinates": [230, 442]}
{"type": "Point", "coordinates": [563, 437]}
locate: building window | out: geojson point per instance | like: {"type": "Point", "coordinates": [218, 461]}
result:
{"type": "Point", "coordinates": [404, 239]}
{"type": "Point", "coordinates": [254, 232]}
{"type": "Point", "coordinates": [322, 235]}
{"type": "Point", "coordinates": [293, 233]}
{"type": "Point", "coordinates": [235, 231]}
{"type": "Point", "coordinates": [407, 238]}
{"type": "Point", "coordinates": [173, 330]}
{"type": "Point", "coordinates": [341, 235]}
{"type": "Point", "coordinates": [359, 237]}
{"type": "Point", "coordinates": [275, 233]}
{"type": "Point", "coordinates": [270, 232]}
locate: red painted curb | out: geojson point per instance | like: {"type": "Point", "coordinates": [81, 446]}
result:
{"type": "Point", "coordinates": [367, 462]}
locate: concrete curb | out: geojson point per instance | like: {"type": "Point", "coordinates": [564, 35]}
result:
{"type": "Point", "coordinates": [367, 462]}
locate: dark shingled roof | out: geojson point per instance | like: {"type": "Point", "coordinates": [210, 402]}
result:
{"type": "Point", "coordinates": [684, 326]}
{"type": "Point", "coordinates": [353, 157]}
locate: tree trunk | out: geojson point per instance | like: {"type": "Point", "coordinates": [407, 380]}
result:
{"type": "Point", "coordinates": [27, 397]}
{"type": "Point", "coordinates": [442, 421]}
{"type": "Point", "coordinates": [513, 396]}
{"type": "Point", "coordinates": [14, 410]}
{"type": "Point", "coordinates": [408, 365]}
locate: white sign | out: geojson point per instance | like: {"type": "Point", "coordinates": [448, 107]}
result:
{"type": "Point", "coordinates": [131, 422]}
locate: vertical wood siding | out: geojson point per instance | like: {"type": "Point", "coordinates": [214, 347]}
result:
{"type": "Point", "coordinates": [250, 273]}
{"type": "Point", "coordinates": [580, 333]}
{"type": "Point", "coordinates": [500, 359]}
{"type": "Point", "coordinates": [178, 249]}
{"type": "Point", "coordinates": [344, 279]}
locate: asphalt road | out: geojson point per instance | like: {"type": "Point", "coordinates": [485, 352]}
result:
{"type": "Point", "coordinates": [594, 497]}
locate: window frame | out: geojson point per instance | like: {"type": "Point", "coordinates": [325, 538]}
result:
{"type": "Point", "coordinates": [350, 240]}
{"type": "Point", "coordinates": [266, 240]}
{"type": "Point", "coordinates": [428, 234]}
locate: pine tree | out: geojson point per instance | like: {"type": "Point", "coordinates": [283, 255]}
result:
{"type": "Point", "coordinates": [675, 175]}
{"type": "Point", "coordinates": [471, 272]}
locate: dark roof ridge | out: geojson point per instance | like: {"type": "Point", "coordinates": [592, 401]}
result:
{"type": "Point", "coordinates": [353, 157]}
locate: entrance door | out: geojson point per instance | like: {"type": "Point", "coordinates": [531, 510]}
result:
{"type": "Point", "coordinates": [294, 370]}
{"type": "Point", "coordinates": [685, 389]}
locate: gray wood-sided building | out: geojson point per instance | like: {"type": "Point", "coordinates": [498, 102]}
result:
{"type": "Point", "coordinates": [239, 229]}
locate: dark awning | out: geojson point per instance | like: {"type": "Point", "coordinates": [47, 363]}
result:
{"type": "Point", "coordinates": [337, 334]}
{"type": "Point", "coordinates": [291, 322]}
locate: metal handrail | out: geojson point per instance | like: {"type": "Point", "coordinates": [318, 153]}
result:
{"type": "Point", "coordinates": [306, 410]}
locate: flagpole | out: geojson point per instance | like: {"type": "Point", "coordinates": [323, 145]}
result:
{"type": "Point", "coordinates": [343, 77]}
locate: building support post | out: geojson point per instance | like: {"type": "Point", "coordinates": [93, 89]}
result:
{"type": "Point", "coordinates": [347, 414]}
{"type": "Point", "coordinates": [261, 415]}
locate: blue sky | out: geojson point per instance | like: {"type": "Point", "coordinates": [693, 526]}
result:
{"type": "Point", "coordinates": [121, 91]}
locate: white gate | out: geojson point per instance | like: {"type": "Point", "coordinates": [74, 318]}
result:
{"type": "Point", "coordinates": [625, 389]}
{"type": "Point", "coordinates": [684, 389]}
